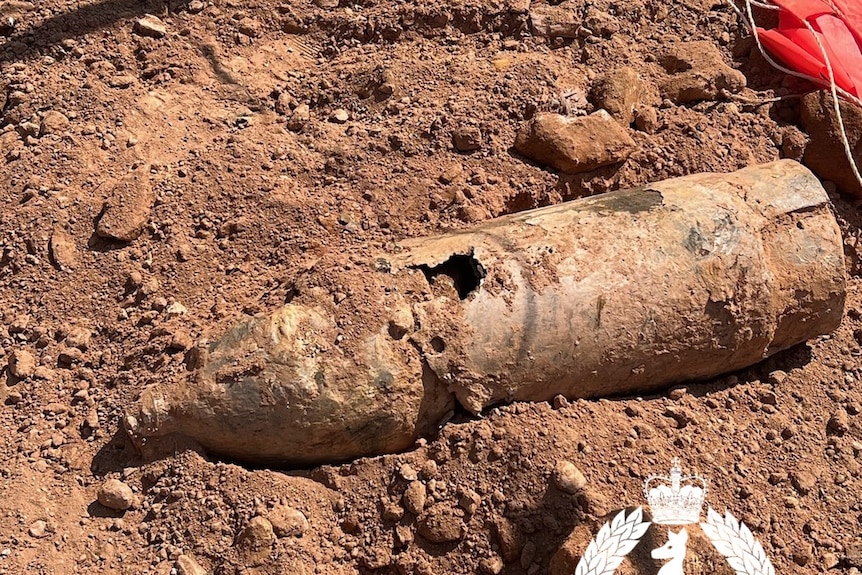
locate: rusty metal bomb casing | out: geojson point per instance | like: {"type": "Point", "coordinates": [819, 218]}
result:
{"type": "Point", "coordinates": [620, 293]}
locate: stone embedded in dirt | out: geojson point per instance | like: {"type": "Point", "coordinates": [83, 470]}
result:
{"type": "Point", "coordinates": [176, 309]}
{"type": "Point", "coordinates": [569, 478]}
{"type": "Point", "coordinates": [574, 145]}
{"type": "Point", "coordinates": [414, 497]}
{"type": "Point", "coordinates": [339, 116]}
{"type": "Point", "coordinates": [78, 337]}
{"type": "Point", "coordinates": [38, 529]}
{"type": "Point", "coordinates": [803, 482]}
{"type": "Point", "coordinates": [116, 495]}
{"type": "Point", "coordinates": [53, 122]}
{"type": "Point", "coordinates": [619, 92]}
{"type": "Point", "coordinates": [285, 103]}
{"type": "Point", "coordinates": [249, 27]}
{"type": "Point", "coordinates": [69, 356]}
{"type": "Point", "coordinates": [257, 535]}
{"type": "Point", "coordinates": [407, 472]}
{"type": "Point", "coordinates": [554, 21]}
{"type": "Point", "coordinates": [127, 209]}
{"type": "Point", "coordinates": [287, 521]}
{"type": "Point", "coordinates": [508, 538]}
{"type": "Point", "coordinates": [403, 536]}
{"type": "Point", "coordinates": [22, 364]}
{"type": "Point", "coordinates": [491, 565]}
{"type": "Point", "coordinates": [824, 153]}
{"type": "Point", "coordinates": [467, 139]}
{"type": "Point", "coordinates": [300, 117]}
{"type": "Point", "coordinates": [697, 72]}
{"type": "Point", "coordinates": [62, 251]}
{"type": "Point", "coordinates": [329, 4]}
{"type": "Point", "coordinates": [646, 119]}
{"type": "Point", "coordinates": [839, 423]}
{"type": "Point", "coordinates": [186, 565]}
{"type": "Point", "coordinates": [151, 26]}
{"type": "Point", "coordinates": [441, 523]}
{"type": "Point", "coordinates": [470, 501]}
{"type": "Point", "coordinates": [196, 7]}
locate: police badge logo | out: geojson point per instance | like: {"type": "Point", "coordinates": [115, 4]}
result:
{"type": "Point", "coordinates": [675, 501]}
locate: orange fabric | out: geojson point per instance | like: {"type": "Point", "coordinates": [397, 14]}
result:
{"type": "Point", "coordinates": [838, 26]}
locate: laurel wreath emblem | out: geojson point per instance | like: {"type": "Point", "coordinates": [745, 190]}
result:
{"type": "Point", "coordinates": [614, 541]}
{"type": "Point", "coordinates": [734, 540]}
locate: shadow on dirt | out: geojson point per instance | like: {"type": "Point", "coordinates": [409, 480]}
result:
{"type": "Point", "coordinates": [27, 41]}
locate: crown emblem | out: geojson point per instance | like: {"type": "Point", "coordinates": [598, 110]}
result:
{"type": "Point", "coordinates": [675, 500]}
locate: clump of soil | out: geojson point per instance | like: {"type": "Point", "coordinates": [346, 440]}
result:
{"type": "Point", "coordinates": [165, 175]}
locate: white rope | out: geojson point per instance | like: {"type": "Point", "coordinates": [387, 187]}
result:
{"type": "Point", "coordinates": [750, 24]}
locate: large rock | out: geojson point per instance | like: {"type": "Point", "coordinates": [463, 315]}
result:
{"type": "Point", "coordinates": [574, 145]}
{"type": "Point", "coordinates": [825, 151]}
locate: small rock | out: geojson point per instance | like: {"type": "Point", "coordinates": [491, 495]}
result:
{"type": "Point", "coordinates": [407, 472]}
{"type": "Point", "coordinates": [491, 565]}
{"type": "Point", "coordinates": [392, 512]}
{"type": "Point", "coordinates": [151, 26]}
{"type": "Point", "coordinates": [646, 120]}
{"type": "Point", "coordinates": [78, 337]}
{"type": "Point", "coordinates": [403, 536]}
{"type": "Point", "coordinates": [176, 309]}
{"type": "Point", "coordinates": [62, 251]}
{"type": "Point", "coordinates": [196, 7]}
{"type": "Point", "coordinates": [288, 522]}
{"type": "Point", "coordinates": [619, 92]}
{"type": "Point", "coordinates": [121, 81]}
{"type": "Point", "coordinates": [677, 393]}
{"type": "Point", "coordinates": [339, 116]}
{"type": "Point", "coordinates": [127, 209]}
{"type": "Point", "coordinates": [569, 478]}
{"type": "Point", "coordinates": [285, 103]}
{"type": "Point", "coordinates": [574, 145]}
{"type": "Point", "coordinates": [508, 539]}
{"type": "Point", "coordinates": [414, 497]}
{"type": "Point", "coordinates": [22, 364]}
{"type": "Point", "coordinates": [300, 117]}
{"type": "Point", "coordinates": [839, 423]}
{"type": "Point", "coordinates": [777, 377]}
{"type": "Point", "coordinates": [470, 501]}
{"type": "Point", "coordinates": [430, 469]}
{"type": "Point", "coordinates": [467, 139]}
{"type": "Point", "coordinates": [186, 565]}
{"type": "Point", "coordinates": [328, 4]}
{"type": "Point", "coordinates": [114, 494]}
{"type": "Point", "coordinates": [249, 27]}
{"type": "Point", "coordinates": [803, 482]}
{"type": "Point", "coordinates": [698, 72]}
{"type": "Point", "coordinates": [257, 535]}
{"type": "Point", "coordinates": [69, 356]}
{"type": "Point", "coordinates": [554, 21]}
{"type": "Point", "coordinates": [53, 122]}
{"type": "Point", "coordinates": [38, 529]}
{"type": "Point", "coordinates": [441, 524]}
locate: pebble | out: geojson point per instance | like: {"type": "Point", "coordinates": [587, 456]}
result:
{"type": "Point", "coordinates": [186, 565]}
{"type": "Point", "coordinates": [176, 309]}
{"type": "Point", "coordinates": [414, 497]}
{"type": "Point", "coordinates": [249, 27]}
{"type": "Point", "coordinates": [114, 494]}
{"type": "Point", "coordinates": [127, 209]}
{"type": "Point", "coordinates": [151, 26]}
{"type": "Point", "coordinates": [554, 21]}
{"type": "Point", "coordinates": [339, 116]}
{"type": "Point", "coordinates": [38, 529]}
{"type": "Point", "coordinates": [288, 522]}
{"type": "Point", "coordinates": [22, 364]}
{"type": "Point", "coordinates": [568, 478]}
{"type": "Point", "coordinates": [646, 120]}
{"type": "Point", "coordinates": [574, 145]}
{"type": "Point", "coordinates": [403, 535]}
{"type": "Point", "coordinates": [121, 81]}
{"type": "Point", "coordinates": [467, 139]}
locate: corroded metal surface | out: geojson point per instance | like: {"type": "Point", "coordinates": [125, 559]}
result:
{"type": "Point", "coordinates": [619, 293]}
